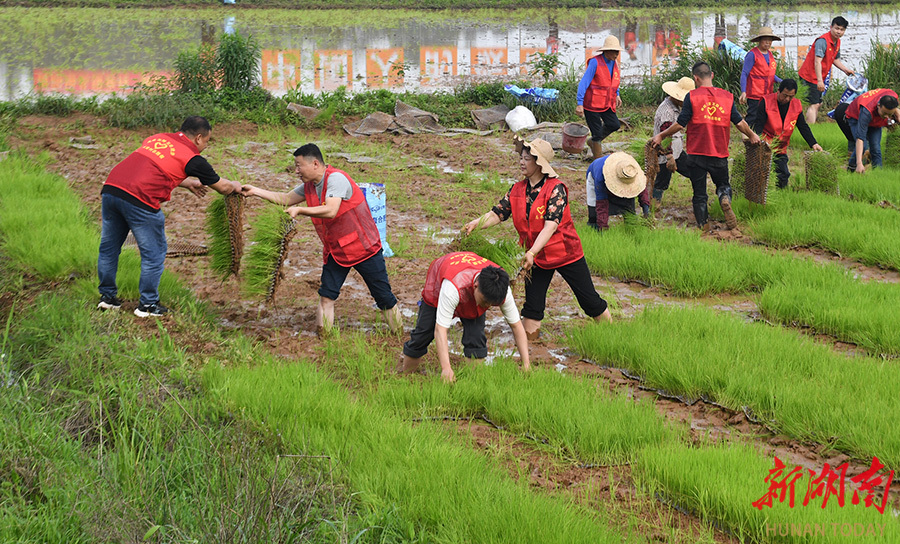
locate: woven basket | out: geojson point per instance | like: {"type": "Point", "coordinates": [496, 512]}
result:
{"type": "Point", "coordinates": [288, 231]}
{"type": "Point", "coordinates": [651, 161]}
{"type": "Point", "coordinates": [234, 210]}
{"type": "Point", "coordinates": [757, 168]}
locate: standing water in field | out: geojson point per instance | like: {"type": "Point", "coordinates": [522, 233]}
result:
{"type": "Point", "coordinates": [98, 51]}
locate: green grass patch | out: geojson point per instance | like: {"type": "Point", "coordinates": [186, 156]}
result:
{"type": "Point", "coordinates": [875, 186]}
{"type": "Point", "coordinates": [804, 389]}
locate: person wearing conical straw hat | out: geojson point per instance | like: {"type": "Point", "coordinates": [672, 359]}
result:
{"type": "Point", "coordinates": [758, 75]}
{"type": "Point", "coordinates": [779, 114]}
{"type": "Point", "coordinates": [539, 207]}
{"type": "Point", "coordinates": [672, 157]}
{"type": "Point", "coordinates": [598, 94]}
{"type": "Point", "coordinates": [708, 113]}
{"type": "Point", "coordinates": [614, 181]}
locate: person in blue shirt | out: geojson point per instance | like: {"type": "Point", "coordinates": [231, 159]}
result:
{"type": "Point", "coordinates": [598, 94]}
{"type": "Point", "coordinates": [758, 74]}
{"type": "Point", "coordinates": [612, 183]}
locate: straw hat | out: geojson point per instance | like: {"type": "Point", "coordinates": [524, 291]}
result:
{"type": "Point", "coordinates": [679, 90]}
{"type": "Point", "coordinates": [611, 43]}
{"type": "Point", "coordinates": [541, 151]}
{"type": "Point", "coordinates": [624, 178]}
{"type": "Point", "coordinates": [765, 32]}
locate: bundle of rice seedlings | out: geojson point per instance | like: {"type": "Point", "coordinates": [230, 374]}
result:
{"type": "Point", "coordinates": [505, 253]}
{"type": "Point", "coordinates": [821, 171]}
{"type": "Point", "coordinates": [651, 161]}
{"type": "Point", "coordinates": [272, 231]}
{"type": "Point", "coordinates": [225, 226]}
{"type": "Point", "coordinates": [757, 166]}
{"type": "Point", "coordinates": [891, 151]}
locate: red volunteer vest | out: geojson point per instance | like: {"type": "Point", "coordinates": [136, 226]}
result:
{"type": "Point", "coordinates": [808, 69]}
{"type": "Point", "coordinates": [460, 268]}
{"type": "Point", "coordinates": [709, 129]}
{"type": "Point", "coordinates": [601, 93]}
{"type": "Point", "coordinates": [869, 100]}
{"type": "Point", "coordinates": [351, 236]}
{"type": "Point", "coordinates": [761, 79]}
{"type": "Point", "coordinates": [152, 171]}
{"type": "Point", "coordinates": [564, 246]}
{"type": "Point", "coordinates": [775, 127]}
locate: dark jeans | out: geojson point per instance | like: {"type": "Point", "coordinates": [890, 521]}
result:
{"type": "Point", "coordinates": [149, 229]}
{"type": "Point", "coordinates": [601, 123]}
{"type": "Point", "coordinates": [576, 275]}
{"type": "Point", "coordinates": [781, 170]}
{"type": "Point", "coordinates": [752, 110]}
{"type": "Point", "coordinates": [373, 272]}
{"type": "Point", "coordinates": [474, 340]}
{"type": "Point", "coordinates": [698, 167]}
{"type": "Point", "coordinates": [849, 126]}
{"type": "Point", "coordinates": [664, 177]}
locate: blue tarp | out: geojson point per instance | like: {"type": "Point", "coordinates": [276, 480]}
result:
{"type": "Point", "coordinates": [536, 95]}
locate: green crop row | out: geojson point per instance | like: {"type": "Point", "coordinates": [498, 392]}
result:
{"type": "Point", "coordinates": [792, 290]}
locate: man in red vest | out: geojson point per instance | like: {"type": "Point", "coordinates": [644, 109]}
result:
{"type": "Point", "coordinates": [462, 285]}
{"type": "Point", "coordinates": [598, 94]}
{"type": "Point", "coordinates": [708, 113]}
{"type": "Point", "coordinates": [343, 221]}
{"type": "Point", "coordinates": [861, 122]}
{"type": "Point", "coordinates": [758, 75]}
{"type": "Point", "coordinates": [131, 199]}
{"type": "Point", "coordinates": [779, 114]}
{"type": "Point", "coordinates": [825, 51]}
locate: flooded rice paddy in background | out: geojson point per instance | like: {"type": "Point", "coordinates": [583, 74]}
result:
{"type": "Point", "coordinates": [95, 51]}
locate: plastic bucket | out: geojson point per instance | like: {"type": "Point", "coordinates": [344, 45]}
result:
{"type": "Point", "coordinates": [573, 137]}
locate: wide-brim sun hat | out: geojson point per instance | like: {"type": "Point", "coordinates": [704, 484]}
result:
{"type": "Point", "coordinates": [765, 32]}
{"type": "Point", "coordinates": [624, 177]}
{"type": "Point", "coordinates": [542, 152]}
{"type": "Point", "coordinates": [679, 89]}
{"type": "Point", "coordinates": [611, 43]}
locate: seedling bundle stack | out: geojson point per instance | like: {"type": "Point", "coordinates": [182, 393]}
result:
{"type": "Point", "coordinates": [273, 230]}
{"type": "Point", "coordinates": [225, 226]}
{"type": "Point", "coordinates": [821, 171]}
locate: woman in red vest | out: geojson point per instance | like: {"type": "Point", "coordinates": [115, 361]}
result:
{"type": "Point", "coordinates": [343, 221]}
{"type": "Point", "coordinates": [861, 122]}
{"type": "Point", "coordinates": [758, 76]}
{"type": "Point", "coordinates": [779, 114]}
{"type": "Point", "coordinates": [824, 52]}
{"type": "Point", "coordinates": [539, 207]}
{"type": "Point", "coordinates": [462, 285]}
{"type": "Point", "coordinates": [598, 94]}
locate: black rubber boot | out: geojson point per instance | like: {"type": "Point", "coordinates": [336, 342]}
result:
{"type": "Point", "coordinates": [701, 213]}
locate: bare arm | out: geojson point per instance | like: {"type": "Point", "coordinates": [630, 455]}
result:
{"type": "Point", "coordinates": [289, 198]}
{"type": "Point", "coordinates": [443, 352]}
{"type": "Point", "coordinates": [518, 330]}
{"type": "Point", "coordinates": [487, 220]}
{"type": "Point", "coordinates": [860, 145]}
{"type": "Point", "coordinates": [818, 64]}
{"type": "Point", "coordinates": [542, 238]}
{"type": "Point", "coordinates": [194, 186]}
{"type": "Point", "coordinates": [748, 132]}
{"type": "Point", "coordinates": [673, 128]}
{"type": "Point", "coordinates": [325, 211]}
{"type": "Point", "coordinates": [226, 187]}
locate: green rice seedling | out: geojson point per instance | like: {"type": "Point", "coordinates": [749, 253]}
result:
{"type": "Point", "coordinates": [821, 172]}
{"type": "Point", "coordinates": [828, 135]}
{"type": "Point", "coordinates": [883, 65]}
{"type": "Point", "coordinates": [504, 252]}
{"type": "Point", "coordinates": [273, 230]}
{"type": "Point", "coordinates": [801, 388]}
{"type": "Point", "coordinates": [723, 483]}
{"type": "Point", "coordinates": [225, 226]}
{"type": "Point", "coordinates": [852, 311]}
{"type": "Point", "coordinates": [891, 149]}
{"type": "Point", "coordinates": [876, 186]}
{"type": "Point", "coordinates": [853, 229]}
{"type": "Point", "coordinates": [449, 491]}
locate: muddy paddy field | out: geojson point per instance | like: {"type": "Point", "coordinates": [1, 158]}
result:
{"type": "Point", "coordinates": [434, 185]}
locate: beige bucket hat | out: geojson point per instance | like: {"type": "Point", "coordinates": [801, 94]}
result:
{"type": "Point", "coordinates": [611, 43]}
{"type": "Point", "coordinates": [542, 152]}
{"type": "Point", "coordinates": [765, 32]}
{"type": "Point", "coordinates": [624, 177]}
{"type": "Point", "coordinates": [679, 89]}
